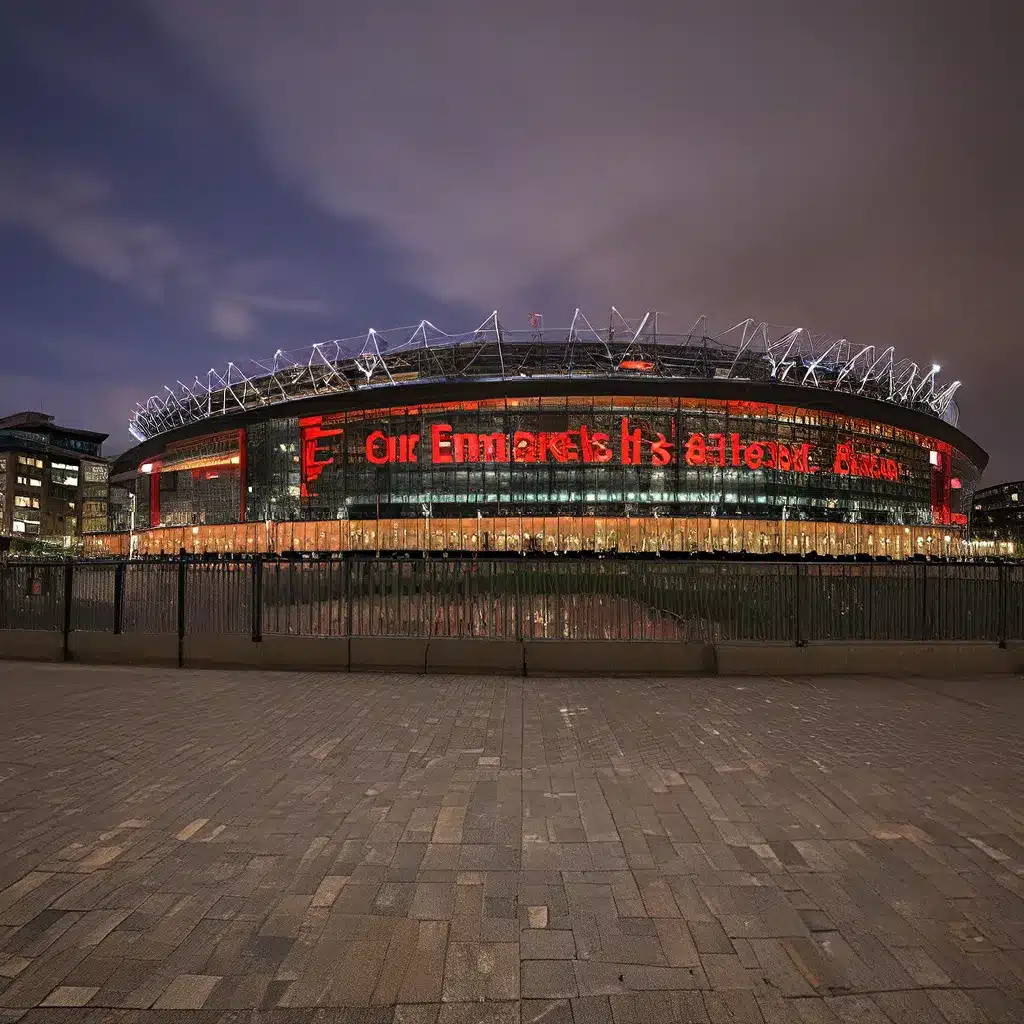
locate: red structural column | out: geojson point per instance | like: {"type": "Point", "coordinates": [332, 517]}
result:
{"type": "Point", "coordinates": [242, 461]}
{"type": "Point", "coordinates": [154, 497]}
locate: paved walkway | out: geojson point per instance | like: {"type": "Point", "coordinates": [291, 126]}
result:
{"type": "Point", "coordinates": [460, 850]}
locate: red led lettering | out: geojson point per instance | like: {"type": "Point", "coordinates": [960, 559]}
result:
{"type": "Point", "coordinates": [801, 458]}
{"type": "Point", "coordinates": [583, 444]}
{"type": "Point", "coordinates": [630, 444]}
{"type": "Point", "coordinates": [378, 448]}
{"type": "Point", "coordinates": [524, 446]}
{"type": "Point", "coordinates": [696, 450]}
{"type": "Point", "coordinates": [440, 444]}
{"type": "Point", "coordinates": [661, 451]}
{"type": "Point", "coordinates": [311, 465]}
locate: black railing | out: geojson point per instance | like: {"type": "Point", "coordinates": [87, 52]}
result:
{"type": "Point", "coordinates": [700, 601]}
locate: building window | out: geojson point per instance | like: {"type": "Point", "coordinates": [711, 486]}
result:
{"type": "Point", "coordinates": [21, 525]}
{"type": "Point", "coordinates": [24, 501]}
{"type": "Point", "coordinates": [64, 474]}
{"type": "Point", "coordinates": [34, 463]}
{"type": "Point", "coordinates": [29, 481]}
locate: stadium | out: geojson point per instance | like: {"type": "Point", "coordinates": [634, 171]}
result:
{"type": "Point", "coordinates": [577, 439]}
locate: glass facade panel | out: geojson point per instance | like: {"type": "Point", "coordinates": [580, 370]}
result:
{"type": "Point", "coordinates": [599, 473]}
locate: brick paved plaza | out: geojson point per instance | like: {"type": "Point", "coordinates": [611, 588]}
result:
{"type": "Point", "coordinates": [374, 849]}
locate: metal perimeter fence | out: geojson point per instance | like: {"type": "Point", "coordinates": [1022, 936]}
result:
{"type": "Point", "coordinates": [698, 601]}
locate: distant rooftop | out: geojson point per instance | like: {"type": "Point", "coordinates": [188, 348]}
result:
{"type": "Point", "coordinates": [43, 423]}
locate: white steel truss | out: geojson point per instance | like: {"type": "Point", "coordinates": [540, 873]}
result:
{"type": "Point", "coordinates": [749, 350]}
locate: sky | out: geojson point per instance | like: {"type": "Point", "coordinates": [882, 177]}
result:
{"type": "Point", "coordinates": [184, 183]}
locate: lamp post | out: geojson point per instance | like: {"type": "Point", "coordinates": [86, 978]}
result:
{"type": "Point", "coordinates": [132, 539]}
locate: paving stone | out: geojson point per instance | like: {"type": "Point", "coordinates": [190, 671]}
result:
{"type": "Point", "coordinates": [546, 1011]}
{"type": "Point", "coordinates": [548, 979]}
{"type": "Point", "coordinates": [546, 944]}
{"type": "Point", "coordinates": [479, 1013]}
{"type": "Point", "coordinates": [433, 901]}
{"type": "Point", "coordinates": [537, 916]}
{"type": "Point", "coordinates": [187, 992]}
{"type": "Point", "coordinates": [837, 852]}
{"type": "Point", "coordinates": [69, 995]}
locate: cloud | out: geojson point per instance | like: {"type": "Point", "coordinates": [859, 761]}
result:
{"type": "Point", "coordinates": [499, 147]}
{"type": "Point", "coordinates": [835, 166]}
{"type": "Point", "coordinates": [75, 215]}
{"type": "Point", "coordinates": [230, 318]}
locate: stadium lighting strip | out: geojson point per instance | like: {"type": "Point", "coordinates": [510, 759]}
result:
{"type": "Point", "coordinates": [748, 351]}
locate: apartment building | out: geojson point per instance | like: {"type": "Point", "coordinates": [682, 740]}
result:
{"type": "Point", "coordinates": [54, 481]}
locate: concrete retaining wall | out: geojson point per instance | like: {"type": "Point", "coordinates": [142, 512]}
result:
{"type": "Point", "coordinates": [948, 659]}
{"type": "Point", "coordinates": [940, 660]}
{"type": "Point", "coordinates": [388, 654]}
{"type": "Point", "coordinates": [32, 645]}
{"type": "Point", "coordinates": [123, 648]}
{"type": "Point", "coordinates": [617, 658]}
{"type": "Point", "coordinates": [308, 653]}
{"type": "Point", "coordinates": [301, 653]}
{"type": "Point", "coordinates": [491, 657]}
{"type": "Point", "coordinates": [221, 650]}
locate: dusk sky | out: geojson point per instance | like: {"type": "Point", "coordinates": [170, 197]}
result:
{"type": "Point", "coordinates": [184, 182]}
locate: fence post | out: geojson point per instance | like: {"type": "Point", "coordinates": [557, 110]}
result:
{"type": "Point", "coordinates": [181, 607]}
{"type": "Point", "coordinates": [798, 626]}
{"type": "Point", "coordinates": [257, 599]}
{"type": "Point", "coordinates": [119, 571]}
{"type": "Point", "coordinates": [69, 589]}
{"type": "Point", "coordinates": [346, 568]}
{"type": "Point", "coordinates": [870, 631]}
{"type": "Point", "coordinates": [924, 601]}
{"type": "Point", "coordinates": [1004, 605]}
{"type": "Point", "coordinates": [517, 607]}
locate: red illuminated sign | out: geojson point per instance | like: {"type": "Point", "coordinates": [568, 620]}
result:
{"type": "Point", "coordinates": [446, 446]}
{"type": "Point", "coordinates": [729, 450]}
{"type": "Point", "coordinates": [312, 434]}
{"type": "Point", "coordinates": [849, 463]}
{"type": "Point", "coordinates": [634, 443]}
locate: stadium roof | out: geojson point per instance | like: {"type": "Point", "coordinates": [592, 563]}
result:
{"type": "Point", "coordinates": [624, 348]}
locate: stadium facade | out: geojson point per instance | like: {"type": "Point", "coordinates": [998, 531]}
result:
{"type": "Point", "coordinates": [622, 438]}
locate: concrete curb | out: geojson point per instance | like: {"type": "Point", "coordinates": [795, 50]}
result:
{"type": "Point", "coordinates": [937, 660]}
